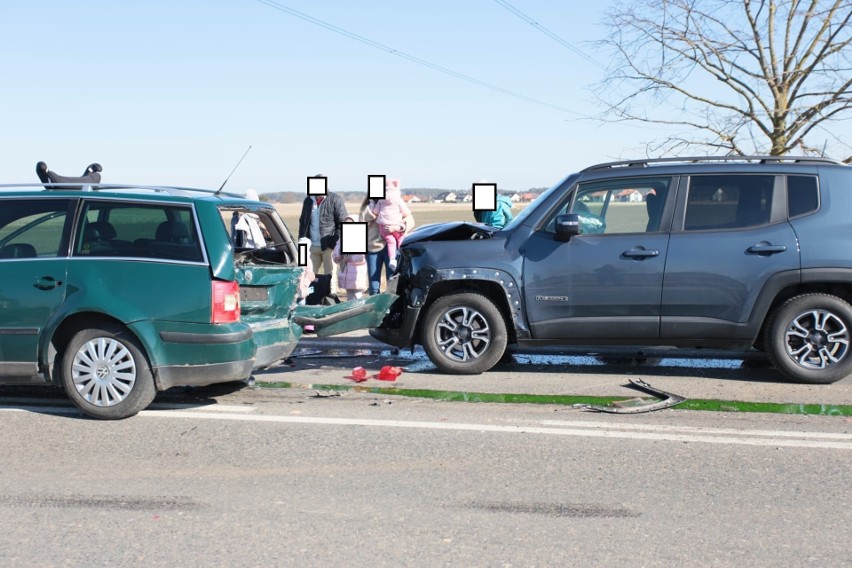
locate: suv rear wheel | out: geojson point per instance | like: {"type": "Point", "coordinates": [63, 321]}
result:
{"type": "Point", "coordinates": [464, 334]}
{"type": "Point", "coordinates": [105, 373]}
{"type": "Point", "coordinates": [808, 338]}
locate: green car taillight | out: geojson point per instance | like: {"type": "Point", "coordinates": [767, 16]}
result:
{"type": "Point", "coordinates": [226, 302]}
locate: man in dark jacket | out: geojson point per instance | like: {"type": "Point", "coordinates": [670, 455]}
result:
{"type": "Point", "coordinates": [320, 222]}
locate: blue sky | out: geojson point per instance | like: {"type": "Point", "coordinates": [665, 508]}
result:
{"type": "Point", "coordinates": [173, 92]}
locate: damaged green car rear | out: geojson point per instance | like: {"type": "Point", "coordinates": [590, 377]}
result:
{"type": "Point", "coordinates": [117, 292]}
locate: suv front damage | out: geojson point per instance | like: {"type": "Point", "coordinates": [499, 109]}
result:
{"type": "Point", "coordinates": [430, 265]}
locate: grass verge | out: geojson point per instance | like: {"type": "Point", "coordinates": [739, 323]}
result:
{"type": "Point", "coordinates": [570, 400]}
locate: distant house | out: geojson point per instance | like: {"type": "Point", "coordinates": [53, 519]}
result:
{"type": "Point", "coordinates": [445, 197]}
{"type": "Point", "coordinates": [466, 198]}
{"type": "Point", "coordinates": [411, 199]}
{"type": "Point", "coordinates": [630, 195]}
{"type": "Point", "coordinates": [528, 196]}
{"type": "Point", "coordinates": [515, 197]}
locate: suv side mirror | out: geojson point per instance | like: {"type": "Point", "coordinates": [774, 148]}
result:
{"type": "Point", "coordinates": [567, 226]}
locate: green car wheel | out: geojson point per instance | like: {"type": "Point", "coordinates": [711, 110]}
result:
{"type": "Point", "coordinates": [105, 373]}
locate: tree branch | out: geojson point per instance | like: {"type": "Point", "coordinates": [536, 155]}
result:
{"type": "Point", "coordinates": [778, 85]}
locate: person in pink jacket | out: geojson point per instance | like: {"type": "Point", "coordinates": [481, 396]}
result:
{"type": "Point", "coordinates": [390, 214]}
{"type": "Point", "coordinates": [352, 270]}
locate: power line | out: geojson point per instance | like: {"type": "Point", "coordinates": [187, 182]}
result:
{"type": "Point", "coordinates": [550, 34]}
{"type": "Point", "coordinates": [408, 57]}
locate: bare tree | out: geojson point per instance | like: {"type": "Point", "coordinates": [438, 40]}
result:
{"type": "Point", "coordinates": [738, 76]}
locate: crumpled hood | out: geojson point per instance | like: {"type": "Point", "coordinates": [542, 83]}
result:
{"type": "Point", "coordinates": [455, 231]}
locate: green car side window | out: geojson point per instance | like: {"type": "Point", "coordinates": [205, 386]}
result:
{"type": "Point", "coordinates": [30, 229]}
{"type": "Point", "coordinates": [164, 232]}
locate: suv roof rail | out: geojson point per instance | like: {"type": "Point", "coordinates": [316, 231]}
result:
{"type": "Point", "coordinates": [699, 159]}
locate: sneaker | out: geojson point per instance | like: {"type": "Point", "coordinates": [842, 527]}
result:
{"type": "Point", "coordinates": [308, 329]}
{"type": "Point", "coordinates": [392, 266]}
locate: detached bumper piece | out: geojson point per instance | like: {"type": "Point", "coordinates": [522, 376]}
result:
{"type": "Point", "coordinates": [346, 316]}
{"type": "Point", "coordinates": [667, 401]}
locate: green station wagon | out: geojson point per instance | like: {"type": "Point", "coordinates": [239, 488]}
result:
{"type": "Point", "coordinates": [115, 292]}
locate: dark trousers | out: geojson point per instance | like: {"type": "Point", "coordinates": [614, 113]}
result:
{"type": "Point", "coordinates": [375, 262]}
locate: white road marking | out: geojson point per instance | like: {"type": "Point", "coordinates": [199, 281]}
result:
{"type": "Point", "coordinates": [700, 430]}
{"type": "Point", "coordinates": [70, 409]}
{"type": "Point", "coordinates": [207, 407]}
{"type": "Point", "coordinates": [736, 437]}
{"type": "Point", "coordinates": [774, 438]}
{"type": "Point", "coordinates": [43, 409]}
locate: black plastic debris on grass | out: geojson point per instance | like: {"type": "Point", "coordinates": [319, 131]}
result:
{"type": "Point", "coordinates": [638, 405]}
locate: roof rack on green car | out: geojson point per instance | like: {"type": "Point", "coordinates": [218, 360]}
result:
{"type": "Point", "coordinates": [169, 190]}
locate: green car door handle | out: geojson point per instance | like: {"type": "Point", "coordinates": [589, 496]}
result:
{"type": "Point", "coordinates": [47, 283]}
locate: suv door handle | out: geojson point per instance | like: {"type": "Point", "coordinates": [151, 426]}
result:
{"type": "Point", "coordinates": [766, 249]}
{"type": "Point", "coordinates": [640, 253]}
{"type": "Point", "coordinates": [46, 283]}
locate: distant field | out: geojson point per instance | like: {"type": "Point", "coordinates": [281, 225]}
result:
{"type": "Point", "coordinates": [624, 215]}
{"type": "Point", "coordinates": [424, 213]}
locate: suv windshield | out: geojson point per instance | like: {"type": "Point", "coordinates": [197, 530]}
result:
{"type": "Point", "coordinates": [522, 216]}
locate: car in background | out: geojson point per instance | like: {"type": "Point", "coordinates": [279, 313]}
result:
{"type": "Point", "coordinates": [732, 253]}
{"type": "Point", "coordinates": [116, 292]}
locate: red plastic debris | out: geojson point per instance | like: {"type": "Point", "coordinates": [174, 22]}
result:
{"type": "Point", "coordinates": [389, 373]}
{"type": "Point", "coordinates": [359, 375]}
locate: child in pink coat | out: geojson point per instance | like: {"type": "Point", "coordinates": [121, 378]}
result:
{"type": "Point", "coordinates": [352, 270]}
{"type": "Point", "coordinates": [390, 215]}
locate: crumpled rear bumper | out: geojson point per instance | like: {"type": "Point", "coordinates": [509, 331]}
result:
{"type": "Point", "coordinates": [202, 375]}
{"type": "Point", "coordinates": [275, 340]}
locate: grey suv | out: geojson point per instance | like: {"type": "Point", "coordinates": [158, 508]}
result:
{"type": "Point", "coordinates": [724, 253]}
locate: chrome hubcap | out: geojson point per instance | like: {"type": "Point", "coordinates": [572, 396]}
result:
{"type": "Point", "coordinates": [817, 339]}
{"type": "Point", "coordinates": [463, 334]}
{"type": "Point", "coordinates": [103, 371]}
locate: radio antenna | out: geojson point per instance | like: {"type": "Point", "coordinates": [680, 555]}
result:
{"type": "Point", "coordinates": [218, 191]}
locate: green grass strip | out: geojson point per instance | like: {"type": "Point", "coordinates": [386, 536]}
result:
{"type": "Point", "coordinates": [571, 400]}
{"type": "Point", "coordinates": [768, 407]}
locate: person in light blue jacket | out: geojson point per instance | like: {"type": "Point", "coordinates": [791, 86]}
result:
{"type": "Point", "coordinates": [500, 217]}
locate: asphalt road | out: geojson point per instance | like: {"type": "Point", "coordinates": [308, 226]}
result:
{"type": "Point", "coordinates": [252, 476]}
{"type": "Point", "coordinates": [256, 477]}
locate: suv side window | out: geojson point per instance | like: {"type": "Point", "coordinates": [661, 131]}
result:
{"type": "Point", "coordinates": [33, 228]}
{"type": "Point", "coordinates": [143, 231]}
{"type": "Point", "coordinates": [617, 206]}
{"type": "Point", "coordinates": [802, 195]}
{"type": "Point", "coordinates": [728, 201]}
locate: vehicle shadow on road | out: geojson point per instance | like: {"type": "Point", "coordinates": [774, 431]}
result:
{"type": "Point", "coordinates": [753, 367]}
{"type": "Point", "coordinates": [203, 396]}
{"type": "Point", "coordinates": [52, 400]}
